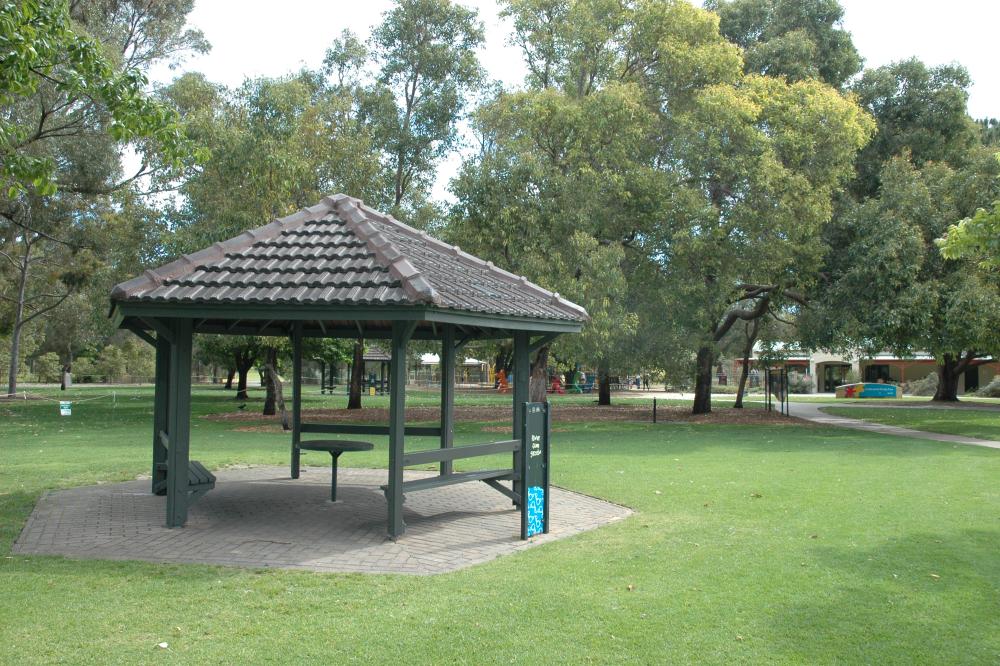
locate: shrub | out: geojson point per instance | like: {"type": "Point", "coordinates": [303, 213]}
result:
{"type": "Point", "coordinates": [727, 389]}
{"type": "Point", "coordinates": [48, 367]}
{"type": "Point", "coordinates": [83, 370]}
{"type": "Point", "coordinates": [111, 363]}
{"type": "Point", "coordinates": [991, 390]}
{"type": "Point", "coordinates": [926, 386]}
{"type": "Point", "coordinates": [800, 382]}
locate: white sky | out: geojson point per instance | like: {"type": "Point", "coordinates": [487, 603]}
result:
{"type": "Point", "coordinates": [263, 38]}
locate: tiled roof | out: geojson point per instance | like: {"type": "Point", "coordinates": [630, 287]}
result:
{"type": "Point", "coordinates": [376, 353]}
{"type": "Point", "coordinates": [340, 252]}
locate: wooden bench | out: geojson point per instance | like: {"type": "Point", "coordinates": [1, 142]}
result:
{"type": "Point", "coordinates": [200, 480]}
{"type": "Point", "coordinates": [334, 447]}
{"type": "Point", "coordinates": [490, 477]}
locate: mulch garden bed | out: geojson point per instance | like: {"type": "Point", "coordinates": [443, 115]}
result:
{"type": "Point", "coordinates": [562, 414]}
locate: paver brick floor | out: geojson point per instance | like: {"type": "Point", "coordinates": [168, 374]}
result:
{"type": "Point", "coordinates": [259, 517]}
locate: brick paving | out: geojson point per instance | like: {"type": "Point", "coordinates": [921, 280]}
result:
{"type": "Point", "coordinates": [258, 517]}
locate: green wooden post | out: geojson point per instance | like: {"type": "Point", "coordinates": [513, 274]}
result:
{"type": "Point", "coordinates": [401, 332]}
{"type": "Point", "coordinates": [160, 401]}
{"type": "Point", "coordinates": [179, 423]}
{"type": "Point", "coordinates": [447, 393]}
{"type": "Point", "coordinates": [522, 378]}
{"type": "Point", "coordinates": [296, 396]}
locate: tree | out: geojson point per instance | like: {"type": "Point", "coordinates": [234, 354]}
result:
{"type": "Point", "coordinates": [888, 286]}
{"type": "Point", "coordinates": [646, 137]}
{"type": "Point", "coordinates": [976, 237]}
{"type": "Point", "coordinates": [71, 102]}
{"type": "Point", "coordinates": [764, 159]}
{"type": "Point", "coordinates": [885, 285]}
{"type": "Point", "coordinates": [536, 201]}
{"type": "Point", "coordinates": [277, 145]}
{"type": "Point", "coordinates": [425, 54]}
{"type": "Point", "coordinates": [796, 39]}
{"type": "Point", "coordinates": [919, 110]}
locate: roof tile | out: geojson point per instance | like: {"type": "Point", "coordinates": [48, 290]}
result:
{"type": "Point", "coordinates": [340, 252]}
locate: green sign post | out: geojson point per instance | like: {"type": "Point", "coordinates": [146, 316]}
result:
{"type": "Point", "coordinates": [534, 469]}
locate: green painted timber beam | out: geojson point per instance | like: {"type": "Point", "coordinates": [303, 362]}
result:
{"type": "Point", "coordinates": [179, 423]}
{"type": "Point", "coordinates": [288, 313]}
{"type": "Point", "coordinates": [296, 396]}
{"type": "Point", "coordinates": [447, 394]}
{"type": "Point", "coordinates": [401, 332]}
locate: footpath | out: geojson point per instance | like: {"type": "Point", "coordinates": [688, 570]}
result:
{"type": "Point", "coordinates": [812, 411]}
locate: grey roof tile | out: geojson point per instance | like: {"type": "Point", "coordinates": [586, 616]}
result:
{"type": "Point", "coordinates": [340, 252]}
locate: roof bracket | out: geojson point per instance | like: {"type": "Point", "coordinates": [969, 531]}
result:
{"type": "Point", "coordinates": [162, 330]}
{"type": "Point", "coordinates": [143, 335]}
{"type": "Point", "coordinates": [541, 342]}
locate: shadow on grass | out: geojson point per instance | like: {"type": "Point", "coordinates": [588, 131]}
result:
{"type": "Point", "coordinates": [15, 507]}
{"type": "Point", "coordinates": [675, 439]}
{"type": "Point", "coordinates": [931, 596]}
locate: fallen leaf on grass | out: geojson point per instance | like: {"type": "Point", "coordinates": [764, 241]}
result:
{"type": "Point", "coordinates": [738, 637]}
{"type": "Point", "coordinates": [935, 576]}
{"type": "Point", "coordinates": [756, 495]}
{"type": "Point", "coordinates": [163, 646]}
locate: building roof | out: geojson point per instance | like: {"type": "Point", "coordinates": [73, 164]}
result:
{"type": "Point", "coordinates": [341, 252]}
{"type": "Point", "coordinates": [376, 353]}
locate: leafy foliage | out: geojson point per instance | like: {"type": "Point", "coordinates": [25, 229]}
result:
{"type": "Point", "coordinates": [45, 54]}
{"type": "Point", "coordinates": [796, 39]}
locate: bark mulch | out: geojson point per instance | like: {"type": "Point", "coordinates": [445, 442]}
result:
{"type": "Point", "coordinates": [562, 414]}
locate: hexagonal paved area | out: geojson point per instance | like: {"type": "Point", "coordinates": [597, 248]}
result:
{"type": "Point", "coordinates": [258, 517]}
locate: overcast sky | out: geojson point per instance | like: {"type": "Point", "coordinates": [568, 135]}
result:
{"type": "Point", "coordinates": [266, 38]}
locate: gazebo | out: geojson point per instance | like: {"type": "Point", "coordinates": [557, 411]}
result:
{"type": "Point", "coordinates": [342, 270]}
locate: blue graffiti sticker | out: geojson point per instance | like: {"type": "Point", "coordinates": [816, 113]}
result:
{"type": "Point", "coordinates": [536, 510]}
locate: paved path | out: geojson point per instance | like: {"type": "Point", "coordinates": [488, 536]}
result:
{"type": "Point", "coordinates": [812, 411]}
{"type": "Point", "coordinates": [258, 517]}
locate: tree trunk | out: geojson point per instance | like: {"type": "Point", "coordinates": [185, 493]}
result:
{"type": "Point", "coordinates": [230, 373]}
{"type": "Point", "coordinates": [15, 337]}
{"type": "Point", "coordinates": [275, 400]}
{"type": "Point", "coordinates": [243, 362]}
{"type": "Point", "coordinates": [703, 381]}
{"type": "Point", "coordinates": [745, 371]}
{"type": "Point", "coordinates": [357, 373]}
{"type": "Point", "coordinates": [948, 375]}
{"type": "Point", "coordinates": [604, 382]}
{"type": "Point", "coordinates": [538, 384]}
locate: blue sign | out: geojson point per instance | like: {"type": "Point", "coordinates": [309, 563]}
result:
{"type": "Point", "coordinates": [534, 470]}
{"type": "Point", "coordinates": [878, 391]}
{"type": "Point", "coordinates": [535, 510]}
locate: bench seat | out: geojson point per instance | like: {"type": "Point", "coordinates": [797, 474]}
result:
{"type": "Point", "coordinates": [200, 480]}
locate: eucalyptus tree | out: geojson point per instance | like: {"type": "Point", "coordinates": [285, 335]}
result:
{"type": "Point", "coordinates": [889, 287]}
{"type": "Point", "coordinates": [73, 93]}
{"type": "Point", "coordinates": [885, 284]}
{"type": "Point", "coordinates": [714, 184]}
{"type": "Point", "coordinates": [412, 79]}
{"type": "Point", "coordinates": [277, 144]}
{"type": "Point", "coordinates": [797, 39]}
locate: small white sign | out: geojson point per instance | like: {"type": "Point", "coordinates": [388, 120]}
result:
{"type": "Point", "coordinates": [65, 408]}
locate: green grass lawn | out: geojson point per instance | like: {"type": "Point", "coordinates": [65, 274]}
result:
{"type": "Point", "coordinates": [984, 424]}
{"type": "Point", "coordinates": [765, 544]}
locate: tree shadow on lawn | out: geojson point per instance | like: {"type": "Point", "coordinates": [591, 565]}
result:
{"type": "Point", "coordinates": [919, 598]}
{"type": "Point", "coordinates": [672, 440]}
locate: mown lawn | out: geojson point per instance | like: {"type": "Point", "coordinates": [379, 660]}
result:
{"type": "Point", "coordinates": [984, 424]}
{"type": "Point", "coordinates": [763, 544]}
